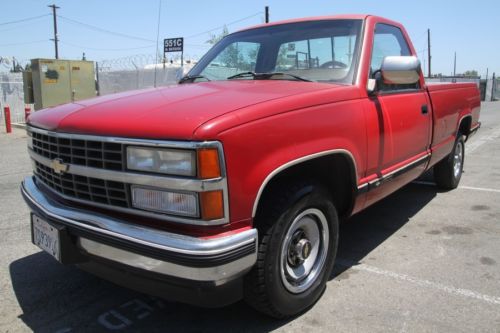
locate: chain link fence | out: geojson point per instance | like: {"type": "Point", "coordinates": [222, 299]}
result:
{"type": "Point", "coordinates": [495, 91]}
{"type": "Point", "coordinates": [139, 72]}
{"type": "Point", "coordinates": [12, 95]}
{"type": "Point", "coordinates": [490, 88]}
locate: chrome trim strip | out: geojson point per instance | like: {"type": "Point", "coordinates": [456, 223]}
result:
{"type": "Point", "coordinates": [218, 273]}
{"type": "Point", "coordinates": [136, 211]}
{"type": "Point", "coordinates": [171, 183]}
{"type": "Point", "coordinates": [475, 128]}
{"type": "Point", "coordinates": [168, 182]}
{"type": "Point", "coordinates": [154, 238]}
{"type": "Point", "coordinates": [363, 188]}
{"type": "Point", "coordinates": [131, 141]}
{"type": "Point", "coordinates": [389, 175]}
{"type": "Point", "coordinates": [295, 162]}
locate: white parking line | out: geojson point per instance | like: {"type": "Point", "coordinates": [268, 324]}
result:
{"type": "Point", "coordinates": [480, 189]}
{"type": "Point", "coordinates": [479, 141]}
{"type": "Point", "coordinates": [424, 283]}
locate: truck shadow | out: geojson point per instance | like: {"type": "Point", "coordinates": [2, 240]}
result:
{"type": "Point", "coordinates": [367, 230]}
{"type": "Point", "coordinates": [56, 298]}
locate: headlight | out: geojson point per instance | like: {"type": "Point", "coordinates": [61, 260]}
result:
{"type": "Point", "coordinates": [167, 161]}
{"type": "Point", "coordinates": [159, 200]}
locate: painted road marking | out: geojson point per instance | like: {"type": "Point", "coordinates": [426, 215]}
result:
{"type": "Point", "coordinates": [129, 312]}
{"type": "Point", "coordinates": [480, 189]}
{"type": "Point", "coordinates": [424, 283]}
{"type": "Point", "coordinates": [479, 141]}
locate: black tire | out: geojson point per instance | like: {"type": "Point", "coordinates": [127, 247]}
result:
{"type": "Point", "coordinates": [268, 287]}
{"type": "Point", "coordinates": [447, 172]}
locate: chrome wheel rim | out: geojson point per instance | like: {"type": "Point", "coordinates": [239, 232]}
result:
{"type": "Point", "coordinates": [304, 250]}
{"type": "Point", "coordinates": [457, 159]}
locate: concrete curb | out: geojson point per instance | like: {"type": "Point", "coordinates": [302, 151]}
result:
{"type": "Point", "coordinates": [19, 125]}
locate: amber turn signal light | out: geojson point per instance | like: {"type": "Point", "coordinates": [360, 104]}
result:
{"type": "Point", "coordinates": [212, 205]}
{"type": "Point", "coordinates": [208, 163]}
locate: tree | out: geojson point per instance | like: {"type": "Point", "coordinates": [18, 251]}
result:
{"type": "Point", "coordinates": [231, 56]}
{"type": "Point", "coordinates": [214, 38]}
{"type": "Point", "coordinates": [16, 67]}
{"type": "Point", "coordinates": [471, 73]}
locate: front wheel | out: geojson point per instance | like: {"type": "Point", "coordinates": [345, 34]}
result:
{"type": "Point", "coordinates": [447, 173]}
{"type": "Point", "coordinates": [296, 253]}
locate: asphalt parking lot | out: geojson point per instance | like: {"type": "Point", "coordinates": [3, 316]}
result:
{"type": "Point", "coordinates": [421, 260]}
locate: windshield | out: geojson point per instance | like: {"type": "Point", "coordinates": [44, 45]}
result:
{"type": "Point", "coordinates": [325, 51]}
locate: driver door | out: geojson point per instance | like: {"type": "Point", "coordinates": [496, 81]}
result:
{"type": "Point", "coordinates": [402, 118]}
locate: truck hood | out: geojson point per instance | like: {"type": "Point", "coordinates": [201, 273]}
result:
{"type": "Point", "coordinates": [165, 113]}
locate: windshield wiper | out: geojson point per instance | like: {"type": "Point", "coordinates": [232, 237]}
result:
{"type": "Point", "coordinates": [266, 76]}
{"type": "Point", "coordinates": [296, 77]}
{"type": "Point", "coordinates": [243, 74]}
{"type": "Point", "coordinates": [192, 78]}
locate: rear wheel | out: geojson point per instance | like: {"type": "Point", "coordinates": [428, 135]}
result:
{"type": "Point", "coordinates": [447, 173]}
{"type": "Point", "coordinates": [296, 252]}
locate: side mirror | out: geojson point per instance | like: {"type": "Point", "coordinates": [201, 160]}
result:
{"type": "Point", "coordinates": [400, 70]}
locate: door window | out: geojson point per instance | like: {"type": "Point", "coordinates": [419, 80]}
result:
{"type": "Point", "coordinates": [389, 41]}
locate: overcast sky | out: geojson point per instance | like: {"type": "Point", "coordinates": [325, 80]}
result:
{"type": "Point", "coordinates": [110, 29]}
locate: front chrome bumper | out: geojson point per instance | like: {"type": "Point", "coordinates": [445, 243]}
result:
{"type": "Point", "coordinates": [216, 260]}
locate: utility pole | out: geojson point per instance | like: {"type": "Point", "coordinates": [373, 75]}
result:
{"type": "Point", "coordinates": [429, 52]}
{"type": "Point", "coordinates": [56, 40]}
{"type": "Point", "coordinates": [267, 14]}
{"type": "Point", "coordinates": [493, 84]}
{"type": "Point", "coordinates": [455, 65]}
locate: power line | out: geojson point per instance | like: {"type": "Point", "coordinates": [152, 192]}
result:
{"type": "Point", "coordinates": [105, 49]}
{"type": "Point", "coordinates": [222, 26]}
{"type": "Point", "coordinates": [25, 19]}
{"type": "Point", "coordinates": [18, 27]}
{"type": "Point", "coordinates": [122, 49]}
{"type": "Point", "coordinates": [95, 28]}
{"type": "Point", "coordinates": [25, 43]}
{"type": "Point", "coordinates": [92, 27]}
{"type": "Point", "coordinates": [415, 40]}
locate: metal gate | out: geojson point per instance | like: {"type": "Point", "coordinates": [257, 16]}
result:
{"type": "Point", "coordinates": [495, 94]}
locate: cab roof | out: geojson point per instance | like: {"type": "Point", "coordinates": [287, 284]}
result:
{"type": "Point", "coordinates": [313, 18]}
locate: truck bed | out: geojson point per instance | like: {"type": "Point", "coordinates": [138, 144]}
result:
{"type": "Point", "coordinates": [450, 103]}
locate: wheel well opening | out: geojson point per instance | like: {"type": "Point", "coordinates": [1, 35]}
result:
{"type": "Point", "coordinates": [465, 126]}
{"type": "Point", "coordinates": [335, 172]}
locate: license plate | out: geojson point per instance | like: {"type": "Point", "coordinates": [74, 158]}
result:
{"type": "Point", "coordinates": [46, 237]}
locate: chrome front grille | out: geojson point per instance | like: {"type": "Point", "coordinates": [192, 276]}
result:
{"type": "Point", "coordinates": [84, 188]}
{"type": "Point", "coordinates": [88, 153]}
{"type": "Point", "coordinates": [96, 154]}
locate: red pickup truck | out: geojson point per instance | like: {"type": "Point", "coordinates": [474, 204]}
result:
{"type": "Point", "coordinates": [232, 184]}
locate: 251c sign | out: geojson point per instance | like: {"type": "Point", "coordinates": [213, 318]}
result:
{"type": "Point", "coordinates": [173, 44]}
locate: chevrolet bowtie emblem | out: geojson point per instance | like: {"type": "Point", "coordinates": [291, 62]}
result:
{"type": "Point", "coordinates": [58, 166]}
